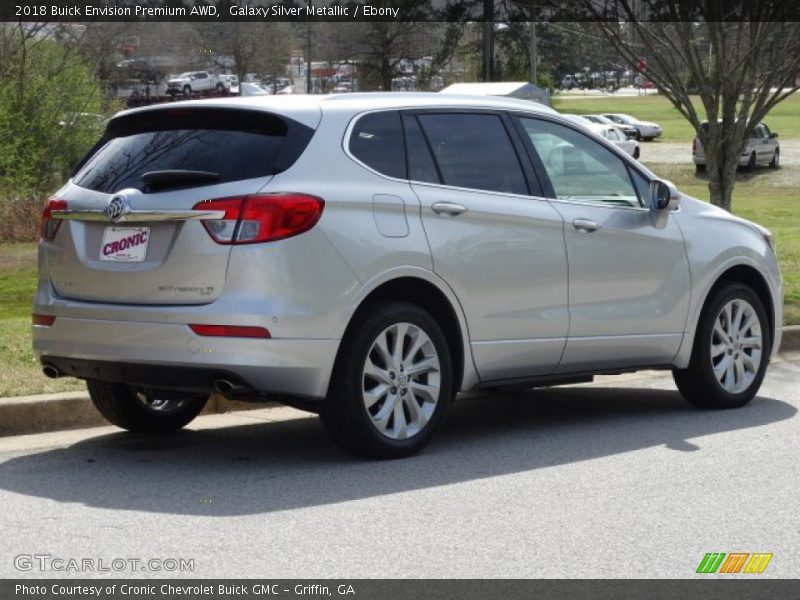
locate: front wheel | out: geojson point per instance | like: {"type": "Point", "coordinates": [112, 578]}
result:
{"type": "Point", "coordinates": [391, 384]}
{"type": "Point", "coordinates": [187, 89]}
{"type": "Point", "coordinates": [144, 411]}
{"type": "Point", "coordinates": [636, 153]}
{"type": "Point", "coordinates": [731, 350]}
{"type": "Point", "coordinates": [776, 160]}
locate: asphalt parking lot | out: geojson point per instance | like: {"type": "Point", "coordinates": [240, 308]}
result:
{"type": "Point", "coordinates": [616, 479]}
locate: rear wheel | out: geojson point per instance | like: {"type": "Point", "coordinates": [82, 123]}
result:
{"type": "Point", "coordinates": [636, 152]}
{"type": "Point", "coordinates": [699, 169]}
{"type": "Point", "coordinates": [391, 384]}
{"type": "Point", "coordinates": [731, 350]}
{"type": "Point", "coordinates": [144, 411]}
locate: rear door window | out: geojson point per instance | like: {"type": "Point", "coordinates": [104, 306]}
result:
{"type": "Point", "coordinates": [377, 141]}
{"type": "Point", "coordinates": [234, 144]}
{"type": "Point", "coordinates": [474, 150]}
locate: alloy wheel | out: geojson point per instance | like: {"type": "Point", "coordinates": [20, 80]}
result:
{"type": "Point", "coordinates": [736, 346]}
{"type": "Point", "coordinates": [401, 381]}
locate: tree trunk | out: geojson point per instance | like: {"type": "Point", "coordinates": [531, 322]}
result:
{"type": "Point", "coordinates": [721, 179]}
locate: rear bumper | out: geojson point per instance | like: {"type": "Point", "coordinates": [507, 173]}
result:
{"type": "Point", "coordinates": [172, 356]}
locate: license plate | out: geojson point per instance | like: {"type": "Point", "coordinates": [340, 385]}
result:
{"type": "Point", "coordinates": [125, 244]}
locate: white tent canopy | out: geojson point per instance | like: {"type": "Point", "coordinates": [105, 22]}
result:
{"type": "Point", "coordinates": [510, 89]}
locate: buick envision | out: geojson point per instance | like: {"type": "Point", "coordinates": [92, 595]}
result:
{"type": "Point", "coordinates": [368, 256]}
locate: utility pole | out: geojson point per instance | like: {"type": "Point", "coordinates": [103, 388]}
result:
{"type": "Point", "coordinates": [534, 55]}
{"type": "Point", "coordinates": [488, 40]}
{"type": "Point", "coordinates": [308, 54]}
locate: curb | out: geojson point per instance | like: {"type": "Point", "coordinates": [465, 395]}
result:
{"type": "Point", "coordinates": [73, 410]}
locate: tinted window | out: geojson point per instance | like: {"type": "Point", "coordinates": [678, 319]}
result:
{"type": "Point", "coordinates": [377, 141]}
{"type": "Point", "coordinates": [234, 144]}
{"type": "Point", "coordinates": [474, 151]}
{"type": "Point", "coordinates": [420, 161]}
{"type": "Point", "coordinates": [579, 168]}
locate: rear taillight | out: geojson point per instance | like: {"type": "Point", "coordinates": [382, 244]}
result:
{"type": "Point", "coordinates": [48, 226]}
{"type": "Point", "coordinates": [243, 331]}
{"type": "Point", "coordinates": [262, 218]}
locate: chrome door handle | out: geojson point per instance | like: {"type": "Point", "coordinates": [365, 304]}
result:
{"type": "Point", "coordinates": [448, 208]}
{"type": "Point", "coordinates": [585, 225]}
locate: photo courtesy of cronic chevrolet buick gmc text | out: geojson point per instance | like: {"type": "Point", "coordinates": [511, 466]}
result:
{"type": "Point", "coordinates": [368, 256]}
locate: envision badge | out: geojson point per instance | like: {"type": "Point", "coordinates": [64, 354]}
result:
{"type": "Point", "coordinates": [117, 208]}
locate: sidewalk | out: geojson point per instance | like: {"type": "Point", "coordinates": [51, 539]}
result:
{"type": "Point", "coordinates": [73, 410]}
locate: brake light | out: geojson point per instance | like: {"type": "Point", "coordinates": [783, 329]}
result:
{"type": "Point", "coordinates": [48, 226]}
{"type": "Point", "coordinates": [241, 331]}
{"type": "Point", "coordinates": [262, 217]}
{"type": "Point", "coordinates": [43, 320]}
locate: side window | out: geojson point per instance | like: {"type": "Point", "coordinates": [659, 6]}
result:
{"type": "Point", "coordinates": [767, 132]}
{"type": "Point", "coordinates": [579, 168]}
{"type": "Point", "coordinates": [420, 161]}
{"type": "Point", "coordinates": [474, 150]}
{"type": "Point", "coordinates": [377, 141]}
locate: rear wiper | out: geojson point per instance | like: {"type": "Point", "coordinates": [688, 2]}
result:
{"type": "Point", "coordinates": [175, 178]}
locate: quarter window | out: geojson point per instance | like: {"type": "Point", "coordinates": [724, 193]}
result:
{"type": "Point", "coordinates": [579, 168]}
{"type": "Point", "coordinates": [377, 141]}
{"type": "Point", "coordinates": [474, 151]}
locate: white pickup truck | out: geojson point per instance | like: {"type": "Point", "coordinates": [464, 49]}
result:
{"type": "Point", "coordinates": [195, 81]}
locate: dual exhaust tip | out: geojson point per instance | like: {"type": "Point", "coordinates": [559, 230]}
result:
{"type": "Point", "coordinates": [226, 387]}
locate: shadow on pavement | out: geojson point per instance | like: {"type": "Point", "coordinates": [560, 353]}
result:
{"type": "Point", "coordinates": [265, 467]}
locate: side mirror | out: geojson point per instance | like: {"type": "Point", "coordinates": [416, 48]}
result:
{"type": "Point", "coordinates": [773, 135]}
{"type": "Point", "coordinates": [664, 196]}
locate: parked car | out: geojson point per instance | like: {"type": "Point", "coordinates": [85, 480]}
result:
{"type": "Point", "coordinates": [385, 252]}
{"type": "Point", "coordinates": [629, 130]}
{"type": "Point", "coordinates": [231, 83]}
{"type": "Point", "coordinates": [646, 130]}
{"type": "Point", "coordinates": [616, 137]}
{"type": "Point", "coordinates": [195, 81]}
{"type": "Point", "coordinates": [141, 70]}
{"type": "Point", "coordinates": [252, 89]}
{"type": "Point", "coordinates": [762, 148]}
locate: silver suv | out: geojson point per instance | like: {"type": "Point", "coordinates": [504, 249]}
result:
{"type": "Point", "coordinates": [368, 256]}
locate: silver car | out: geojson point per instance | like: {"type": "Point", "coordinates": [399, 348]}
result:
{"type": "Point", "coordinates": [369, 256]}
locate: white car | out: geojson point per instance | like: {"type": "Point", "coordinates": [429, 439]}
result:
{"type": "Point", "coordinates": [195, 81]}
{"type": "Point", "coordinates": [616, 137]}
{"type": "Point", "coordinates": [611, 132]}
{"type": "Point", "coordinates": [231, 83]}
{"type": "Point", "coordinates": [252, 89]}
{"type": "Point", "coordinates": [647, 130]}
{"type": "Point", "coordinates": [762, 148]}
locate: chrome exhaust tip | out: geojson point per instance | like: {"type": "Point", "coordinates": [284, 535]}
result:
{"type": "Point", "coordinates": [229, 388]}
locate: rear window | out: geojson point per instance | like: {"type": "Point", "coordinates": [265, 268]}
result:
{"type": "Point", "coordinates": [235, 144]}
{"type": "Point", "coordinates": [377, 141]}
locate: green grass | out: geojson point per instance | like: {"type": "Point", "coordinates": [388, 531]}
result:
{"type": "Point", "coordinates": [20, 372]}
{"type": "Point", "coordinates": [784, 118]}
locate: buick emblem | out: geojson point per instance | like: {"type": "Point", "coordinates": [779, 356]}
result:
{"type": "Point", "coordinates": [117, 208]}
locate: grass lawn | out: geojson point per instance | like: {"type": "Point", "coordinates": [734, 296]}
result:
{"type": "Point", "coordinates": [769, 197]}
{"type": "Point", "coordinates": [20, 373]}
{"type": "Point", "coordinates": [784, 118]}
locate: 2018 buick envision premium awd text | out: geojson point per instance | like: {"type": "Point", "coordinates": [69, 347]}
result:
{"type": "Point", "coordinates": [368, 256]}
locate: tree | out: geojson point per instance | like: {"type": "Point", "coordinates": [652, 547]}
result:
{"type": "Point", "coordinates": [741, 61]}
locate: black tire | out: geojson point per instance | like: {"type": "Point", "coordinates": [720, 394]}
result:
{"type": "Point", "coordinates": [697, 383]}
{"type": "Point", "coordinates": [699, 169]}
{"type": "Point", "coordinates": [344, 413]}
{"type": "Point", "coordinates": [751, 164]}
{"type": "Point", "coordinates": [120, 406]}
{"type": "Point", "coordinates": [187, 89]}
{"type": "Point", "coordinates": [636, 153]}
{"type": "Point", "coordinates": [776, 160]}
{"type": "Point", "coordinates": [220, 88]}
